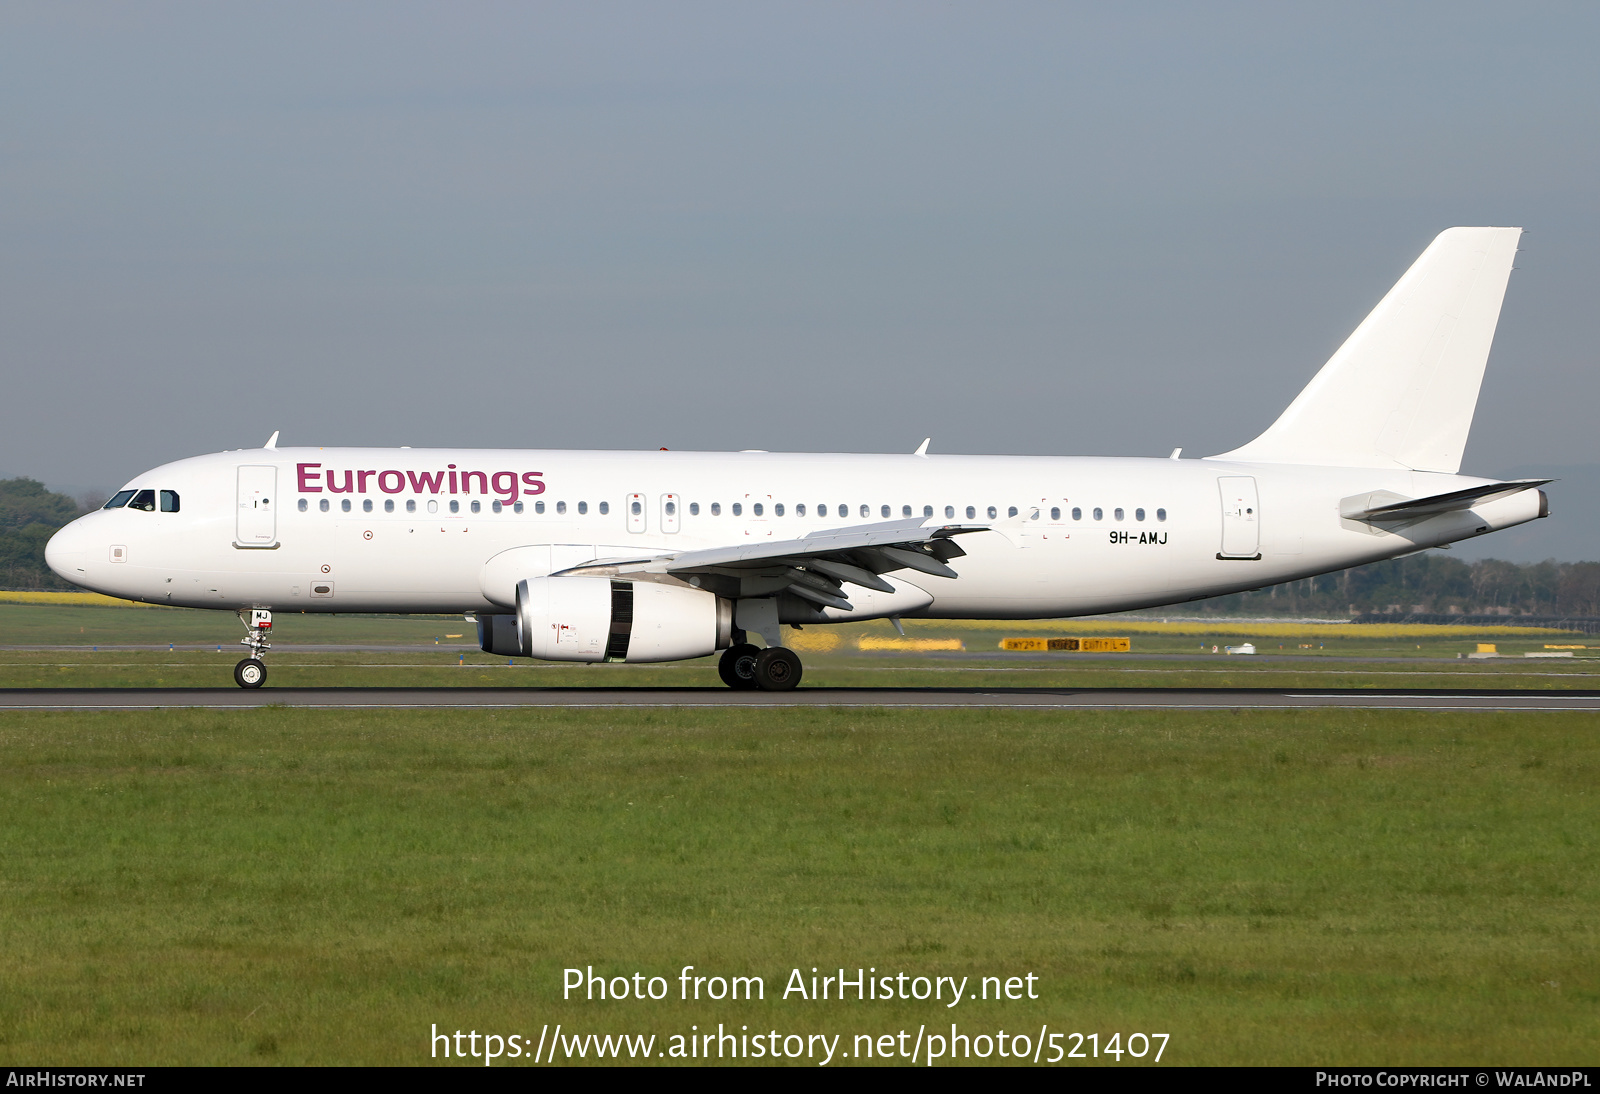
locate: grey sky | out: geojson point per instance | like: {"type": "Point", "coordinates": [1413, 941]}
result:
{"type": "Point", "coordinates": [1041, 228]}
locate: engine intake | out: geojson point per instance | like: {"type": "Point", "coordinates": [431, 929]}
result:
{"type": "Point", "coordinates": [603, 619]}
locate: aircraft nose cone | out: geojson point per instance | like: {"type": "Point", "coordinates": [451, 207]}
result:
{"type": "Point", "coordinates": [67, 552]}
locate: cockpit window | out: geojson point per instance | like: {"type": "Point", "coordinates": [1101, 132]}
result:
{"type": "Point", "coordinates": [169, 501]}
{"type": "Point", "coordinates": [144, 499]}
{"type": "Point", "coordinates": [120, 499]}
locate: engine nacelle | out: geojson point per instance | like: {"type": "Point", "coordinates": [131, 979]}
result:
{"type": "Point", "coordinates": [604, 619]}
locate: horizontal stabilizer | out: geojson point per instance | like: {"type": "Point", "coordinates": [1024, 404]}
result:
{"type": "Point", "coordinates": [1380, 507]}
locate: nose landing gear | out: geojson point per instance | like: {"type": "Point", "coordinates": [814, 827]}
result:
{"type": "Point", "coordinates": [252, 671]}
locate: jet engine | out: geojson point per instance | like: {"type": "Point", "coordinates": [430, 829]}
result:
{"type": "Point", "coordinates": [604, 619]}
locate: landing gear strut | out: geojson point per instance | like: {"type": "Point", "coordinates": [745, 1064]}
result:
{"type": "Point", "coordinates": [776, 668]}
{"type": "Point", "coordinates": [252, 671]}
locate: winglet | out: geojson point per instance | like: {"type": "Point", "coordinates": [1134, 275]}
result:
{"type": "Point", "coordinates": [922, 449]}
{"type": "Point", "coordinates": [272, 441]}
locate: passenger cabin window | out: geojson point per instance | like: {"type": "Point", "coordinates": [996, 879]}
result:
{"type": "Point", "coordinates": [119, 499]}
{"type": "Point", "coordinates": [1012, 511]}
{"type": "Point", "coordinates": [455, 506]}
{"type": "Point", "coordinates": [800, 510]}
{"type": "Point", "coordinates": [694, 508]}
{"type": "Point", "coordinates": [477, 506]}
{"type": "Point", "coordinates": [366, 505]}
{"type": "Point", "coordinates": [323, 505]}
{"type": "Point", "coordinates": [516, 507]}
{"type": "Point", "coordinates": [1161, 515]}
{"type": "Point", "coordinates": [971, 512]}
{"type": "Point", "coordinates": [388, 505]}
{"type": "Point", "coordinates": [1077, 514]}
{"type": "Point", "coordinates": [605, 507]}
{"type": "Point", "coordinates": [1138, 514]}
{"type": "Point", "coordinates": [411, 505]}
{"type": "Point", "coordinates": [169, 501]}
{"type": "Point", "coordinates": [822, 510]}
{"type": "Point", "coordinates": [1099, 514]}
{"type": "Point", "coordinates": [866, 510]}
{"type": "Point", "coordinates": [583, 508]}
{"type": "Point", "coordinates": [905, 510]}
{"type": "Point", "coordinates": [1055, 512]}
{"type": "Point", "coordinates": [949, 511]}
{"type": "Point", "coordinates": [344, 505]}
{"type": "Point", "coordinates": [538, 507]}
{"type": "Point", "coordinates": [756, 509]}
{"type": "Point", "coordinates": [885, 512]}
{"type": "Point", "coordinates": [144, 499]}
{"type": "Point", "coordinates": [637, 507]}
{"type": "Point", "coordinates": [495, 506]}
{"type": "Point", "coordinates": [716, 508]}
{"type": "Point", "coordinates": [303, 504]}
{"type": "Point", "coordinates": [1117, 513]}
{"type": "Point", "coordinates": [777, 510]}
{"type": "Point", "coordinates": [561, 507]}
{"type": "Point", "coordinates": [433, 505]}
{"type": "Point", "coordinates": [738, 509]}
{"type": "Point", "coordinates": [993, 512]}
{"type": "Point", "coordinates": [927, 510]}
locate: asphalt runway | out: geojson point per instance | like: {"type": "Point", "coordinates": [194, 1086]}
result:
{"type": "Point", "coordinates": [919, 698]}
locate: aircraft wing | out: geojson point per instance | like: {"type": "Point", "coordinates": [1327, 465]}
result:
{"type": "Point", "coordinates": [1386, 507]}
{"type": "Point", "coordinates": [813, 567]}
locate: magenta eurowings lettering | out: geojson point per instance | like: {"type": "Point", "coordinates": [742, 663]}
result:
{"type": "Point", "coordinates": [507, 485]}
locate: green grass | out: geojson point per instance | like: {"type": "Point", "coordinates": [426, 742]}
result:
{"type": "Point", "coordinates": [305, 886]}
{"type": "Point", "coordinates": [429, 657]}
{"type": "Point", "coordinates": [449, 668]}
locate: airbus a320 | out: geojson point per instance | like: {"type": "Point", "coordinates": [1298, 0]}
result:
{"type": "Point", "coordinates": [661, 556]}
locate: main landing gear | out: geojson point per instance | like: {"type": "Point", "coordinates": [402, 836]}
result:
{"type": "Point", "coordinates": [745, 667]}
{"type": "Point", "coordinates": [252, 671]}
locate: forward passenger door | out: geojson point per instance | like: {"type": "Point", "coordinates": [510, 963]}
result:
{"type": "Point", "coordinates": [256, 523]}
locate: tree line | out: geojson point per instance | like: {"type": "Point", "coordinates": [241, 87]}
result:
{"type": "Point", "coordinates": [1428, 583]}
{"type": "Point", "coordinates": [1432, 582]}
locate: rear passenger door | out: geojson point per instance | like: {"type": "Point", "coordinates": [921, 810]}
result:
{"type": "Point", "coordinates": [1241, 518]}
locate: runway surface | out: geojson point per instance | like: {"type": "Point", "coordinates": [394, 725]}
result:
{"type": "Point", "coordinates": [921, 698]}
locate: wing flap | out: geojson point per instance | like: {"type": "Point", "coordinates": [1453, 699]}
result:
{"type": "Point", "coordinates": [813, 567]}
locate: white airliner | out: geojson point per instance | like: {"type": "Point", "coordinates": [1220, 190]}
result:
{"type": "Point", "coordinates": [660, 556]}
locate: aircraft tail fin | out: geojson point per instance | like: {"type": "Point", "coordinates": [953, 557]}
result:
{"type": "Point", "coordinates": [1401, 391]}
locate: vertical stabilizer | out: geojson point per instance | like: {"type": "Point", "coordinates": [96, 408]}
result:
{"type": "Point", "coordinates": [1402, 389]}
